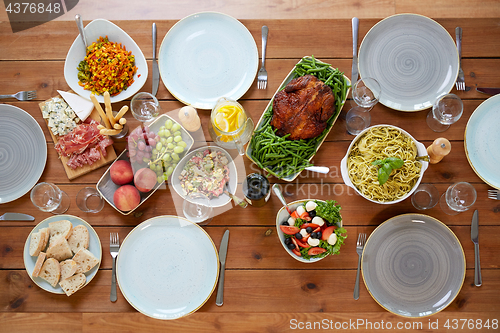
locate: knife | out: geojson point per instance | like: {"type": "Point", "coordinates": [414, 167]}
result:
{"type": "Point", "coordinates": [222, 258]}
{"type": "Point", "coordinates": [490, 91]}
{"type": "Point", "coordinates": [354, 73]}
{"type": "Point", "coordinates": [156, 72]}
{"type": "Point", "coordinates": [474, 235]}
{"type": "Point", "coordinates": [16, 217]}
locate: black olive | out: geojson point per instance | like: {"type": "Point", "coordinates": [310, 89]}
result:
{"type": "Point", "coordinates": [285, 223]}
{"type": "Point", "coordinates": [314, 235]}
{"type": "Point", "coordinates": [309, 230]}
{"type": "Point", "coordinates": [298, 235]}
{"type": "Point", "coordinates": [288, 240]}
{"type": "Point", "coordinates": [291, 246]}
{"type": "Point", "coordinates": [319, 234]}
{"type": "Point", "coordinates": [312, 213]}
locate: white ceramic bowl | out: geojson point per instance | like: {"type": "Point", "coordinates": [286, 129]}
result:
{"type": "Point", "coordinates": [283, 216]}
{"type": "Point", "coordinates": [421, 151]}
{"type": "Point", "coordinates": [76, 53]}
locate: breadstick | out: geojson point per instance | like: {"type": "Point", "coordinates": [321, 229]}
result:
{"type": "Point", "coordinates": [109, 111]}
{"type": "Point", "coordinates": [120, 114]}
{"type": "Point", "coordinates": [123, 121]}
{"type": "Point", "coordinates": [100, 111]}
{"type": "Point", "coordinates": [101, 127]}
{"type": "Point", "coordinates": [118, 126]}
{"type": "Point", "coordinates": [107, 131]}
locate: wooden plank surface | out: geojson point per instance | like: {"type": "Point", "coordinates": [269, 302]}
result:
{"type": "Point", "coordinates": [266, 289]}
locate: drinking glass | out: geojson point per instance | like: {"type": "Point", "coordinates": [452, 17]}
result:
{"type": "Point", "coordinates": [458, 198]}
{"type": "Point", "coordinates": [366, 92]}
{"type": "Point", "coordinates": [144, 106]}
{"type": "Point", "coordinates": [425, 196]}
{"type": "Point", "coordinates": [357, 119]}
{"type": "Point", "coordinates": [89, 200]}
{"type": "Point", "coordinates": [49, 198]}
{"type": "Point", "coordinates": [197, 208]}
{"type": "Point", "coordinates": [446, 110]}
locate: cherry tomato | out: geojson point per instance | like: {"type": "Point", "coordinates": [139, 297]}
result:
{"type": "Point", "coordinates": [315, 250]}
{"type": "Point", "coordinates": [289, 230]}
{"type": "Point", "coordinates": [327, 232]}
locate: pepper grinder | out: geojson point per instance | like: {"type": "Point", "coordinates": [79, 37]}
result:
{"type": "Point", "coordinates": [438, 149]}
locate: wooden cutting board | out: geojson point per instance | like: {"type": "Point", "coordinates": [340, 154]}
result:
{"type": "Point", "coordinates": [74, 173]}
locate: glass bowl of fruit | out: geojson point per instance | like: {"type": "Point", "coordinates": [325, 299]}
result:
{"type": "Point", "coordinates": [313, 230]}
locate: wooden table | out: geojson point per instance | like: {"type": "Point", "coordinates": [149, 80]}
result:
{"type": "Point", "coordinates": [265, 289]}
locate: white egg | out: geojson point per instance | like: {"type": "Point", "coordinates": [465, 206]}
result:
{"type": "Point", "coordinates": [318, 220]}
{"type": "Point", "coordinates": [310, 205]}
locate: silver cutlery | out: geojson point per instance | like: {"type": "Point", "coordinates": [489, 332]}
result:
{"type": "Point", "coordinates": [474, 235]}
{"type": "Point", "coordinates": [16, 217]}
{"type": "Point", "coordinates": [318, 169]}
{"type": "Point", "coordinates": [22, 95]}
{"type": "Point", "coordinates": [219, 300]}
{"type": "Point", "coordinates": [114, 247]}
{"type": "Point", "coordinates": [156, 71]}
{"type": "Point", "coordinates": [460, 84]}
{"type": "Point", "coordinates": [279, 194]}
{"type": "Point", "coordinates": [360, 244]}
{"type": "Point", "coordinates": [489, 91]}
{"type": "Point", "coordinates": [79, 24]}
{"type": "Point", "coordinates": [494, 194]}
{"type": "Point", "coordinates": [262, 75]}
{"type": "Point", "coordinates": [240, 202]}
{"type": "Point", "coordinates": [355, 28]}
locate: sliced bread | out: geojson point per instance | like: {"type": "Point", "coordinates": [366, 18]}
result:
{"type": "Point", "coordinates": [68, 268]}
{"type": "Point", "coordinates": [79, 238]}
{"type": "Point", "coordinates": [60, 228]}
{"type": "Point", "coordinates": [46, 233]}
{"type": "Point", "coordinates": [74, 283]}
{"type": "Point", "coordinates": [51, 271]}
{"type": "Point", "coordinates": [59, 249]}
{"type": "Point", "coordinates": [38, 265]}
{"type": "Point", "coordinates": [36, 242]}
{"type": "Point", "coordinates": [85, 260]}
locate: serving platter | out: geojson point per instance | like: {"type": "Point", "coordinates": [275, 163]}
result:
{"type": "Point", "coordinates": [482, 141]}
{"type": "Point", "coordinates": [260, 123]}
{"type": "Point", "coordinates": [77, 52]}
{"type": "Point", "coordinates": [206, 56]}
{"type": "Point", "coordinates": [414, 59]}
{"type": "Point", "coordinates": [84, 169]}
{"type": "Point", "coordinates": [94, 247]}
{"type": "Point", "coordinates": [167, 267]}
{"type": "Point", "coordinates": [413, 265]}
{"type": "Point", "coordinates": [23, 152]}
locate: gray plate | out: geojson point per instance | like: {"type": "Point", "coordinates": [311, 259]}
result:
{"type": "Point", "coordinates": [413, 265]}
{"type": "Point", "coordinates": [23, 152]}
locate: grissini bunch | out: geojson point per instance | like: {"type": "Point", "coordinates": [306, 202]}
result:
{"type": "Point", "coordinates": [112, 124]}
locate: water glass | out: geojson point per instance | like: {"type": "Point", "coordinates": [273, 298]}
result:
{"type": "Point", "coordinates": [89, 200]}
{"type": "Point", "coordinates": [446, 110]}
{"type": "Point", "coordinates": [366, 92]}
{"type": "Point", "coordinates": [426, 196]}
{"type": "Point", "coordinates": [49, 198]}
{"type": "Point", "coordinates": [144, 106]}
{"type": "Point", "coordinates": [357, 119]}
{"type": "Point", "coordinates": [458, 198]}
{"type": "Point", "coordinates": [197, 208]}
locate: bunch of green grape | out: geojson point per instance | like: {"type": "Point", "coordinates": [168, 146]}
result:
{"type": "Point", "coordinates": [160, 151]}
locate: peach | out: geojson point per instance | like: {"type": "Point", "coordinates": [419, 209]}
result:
{"type": "Point", "coordinates": [126, 198]}
{"type": "Point", "coordinates": [145, 179]}
{"type": "Point", "coordinates": [121, 172]}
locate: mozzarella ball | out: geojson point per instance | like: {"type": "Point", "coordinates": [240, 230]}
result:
{"type": "Point", "coordinates": [313, 241]}
{"type": "Point", "coordinates": [318, 220]}
{"type": "Point", "coordinates": [332, 239]}
{"type": "Point", "coordinates": [310, 205]}
{"type": "Point", "coordinates": [301, 210]}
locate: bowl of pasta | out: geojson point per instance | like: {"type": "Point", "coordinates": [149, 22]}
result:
{"type": "Point", "coordinates": [382, 164]}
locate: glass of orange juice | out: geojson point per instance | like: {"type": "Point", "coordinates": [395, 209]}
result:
{"type": "Point", "coordinates": [231, 126]}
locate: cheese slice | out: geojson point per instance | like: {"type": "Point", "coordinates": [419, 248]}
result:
{"type": "Point", "coordinates": [81, 106]}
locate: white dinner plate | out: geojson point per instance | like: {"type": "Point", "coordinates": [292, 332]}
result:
{"type": "Point", "coordinates": [222, 199]}
{"type": "Point", "coordinates": [76, 53]}
{"type": "Point", "coordinates": [414, 59]}
{"type": "Point", "coordinates": [167, 267]}
{"type": "Point", "coordinates": [482, 141]}
{"type": "Point", "coordinates": [23, 152]}
{"type": "Point", "coordinates": [94, 247]}
{"type": "Point", "coordinates": [206, 56]}
{"type": "Point", "coordinates": [413, 265]}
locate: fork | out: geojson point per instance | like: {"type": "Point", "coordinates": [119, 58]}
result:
{"type": "Point", "coordinates": [460, 84]}
{"type": "Point", "coordinates": [114, 246]}
{"type": "Point", "coordinates": [494, 194]}
{"type": "Point", "coordinates": [262, 75]}
{"type": "Point", "coordinates": [22, 95]}
{"type": "Point", "coordinates": [359, 250]}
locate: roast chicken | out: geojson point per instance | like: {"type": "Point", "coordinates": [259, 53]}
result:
{"type": "Point", "coordinates": [303, 108]}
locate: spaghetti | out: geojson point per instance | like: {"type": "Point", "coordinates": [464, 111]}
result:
{"type": "Point", "coordinates": [379, 143]}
